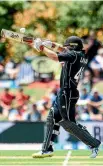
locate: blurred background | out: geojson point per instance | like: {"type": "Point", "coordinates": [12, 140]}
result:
{"type": "Point", "coordinates": [29, 81]}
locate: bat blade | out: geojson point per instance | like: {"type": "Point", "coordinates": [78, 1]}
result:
{"type": "Point", "coordinates": [16, 36]}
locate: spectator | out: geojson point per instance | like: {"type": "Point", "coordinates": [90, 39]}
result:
{"type": "Point", "coordinates": [97, 64]}
{"type": "Point", "coordinates": [43, 106]}
{"type": "Point", "coordinates": [84, 94]}
{"type": "Point", "coordinates": [11, 69]}
{"type": "Point", "coordinates": [6, 99]}
{"type": "Point", "coordinates": [94, 105]}
{"type": "Point", "coordinates": [82, 113]}
{"type": "Point", "coordinates": [34, 115]}
{"type": "Point", "coordinates": [26, 72]}
{"type": "Point", "coordinates": [53, 94]}
{"type": "Point", "coordinates": [81, 108]}
{"type": "Point", "coordinates": [86, 82]}
{"type": "Point", "coordinates": [93, 45]}
{"type": "Point", "coordinates": [1, 70]}
{"type": "Point", "coordinates": [16, 114]}
{"type": "Point", "coordinates": [21, 98]}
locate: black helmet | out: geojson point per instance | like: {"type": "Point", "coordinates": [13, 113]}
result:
{"type": "Point", "coordinates": [74, 42]}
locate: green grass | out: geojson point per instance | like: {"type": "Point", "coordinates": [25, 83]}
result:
{"type": "Point", "coordinates": [37, 93]}
{"type": "Point", "coordinates": [77, 158]}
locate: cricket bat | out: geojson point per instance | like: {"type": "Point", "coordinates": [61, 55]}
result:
{"type": "Point", "coordinates": [19, 37]}
{"type": "Point", "coordinates": [22, 38]}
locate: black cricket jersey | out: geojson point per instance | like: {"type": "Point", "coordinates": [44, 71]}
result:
{"type": "Point", "coordinates": [74, 64]}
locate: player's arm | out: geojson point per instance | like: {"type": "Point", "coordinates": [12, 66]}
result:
{"type": "Point", "coordinates": [51, 54]}
{"type": "Point", "coordinates": [56, 47]}
{"type": "Point", "coordinates": [38, 45]}
{"type": "Point", "coordinates": [63, 56]}
{"type": "Point", "coordinates": [99, 103]}
{"type": "Point", "coordinates": [92, 103]}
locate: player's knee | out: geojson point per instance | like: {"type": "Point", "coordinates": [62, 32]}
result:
{"type": "Point", "coordinates": [66, 124]}
{"type": "Point", "coordinates": [72, 119]}
{"type": "Point", "coordinates": [57, 116]}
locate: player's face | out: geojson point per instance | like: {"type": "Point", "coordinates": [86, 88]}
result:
{"type": "Point", "coordinates": [85, 47]}
{"type": "Point", "coordinates": [101, 54]}
{"type": "Point", "coordinates": [66, 48]}
{"type": "Point", "coordinates": [95, 94]}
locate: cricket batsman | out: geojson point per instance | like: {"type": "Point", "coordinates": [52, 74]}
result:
{"type": "Point", "coordinates": [62, 111]}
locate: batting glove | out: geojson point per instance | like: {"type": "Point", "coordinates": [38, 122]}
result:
{"type": "Point", "coordinates": [38, 44]}
{"type": "Point", "coordinates": [52, 45]}
{"type": "Point", "coordinates": [47, 43]}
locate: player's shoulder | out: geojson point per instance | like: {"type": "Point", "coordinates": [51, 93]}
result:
{"type": "Point", "coordinates": [75, 52]}
{"type": "Point", "coordinates": [70, 52]}
{"type": "Point", "coordinates": [80, 53]}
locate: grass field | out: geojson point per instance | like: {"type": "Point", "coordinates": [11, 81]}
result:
{"type": "Point", "coordinates": [61, 158]}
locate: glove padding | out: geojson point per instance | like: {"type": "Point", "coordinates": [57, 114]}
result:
{"type": "Point", "coordinates": [38, 44]}
{"type": "Point", "coordinates": [52, 45]}
{"type": "Point", "coordinates": [47, 43]}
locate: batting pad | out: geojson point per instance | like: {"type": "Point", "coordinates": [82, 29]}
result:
{"type": "Point", "coordinates": [49, 130]}
{"type": "Point", "coordinates": [80, 132]}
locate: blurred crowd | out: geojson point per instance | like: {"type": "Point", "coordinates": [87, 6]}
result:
{"type": "Point", "coordinates": [19, 106]}
{"type": "Point", "coordinates": [90, 103]}
{"type": "Point", "coordinates": [22, 72]}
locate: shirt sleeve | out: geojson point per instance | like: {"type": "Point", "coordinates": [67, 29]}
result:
{"type": "Point", "coordinates": [67, 56]}
{"type": "Point", "coordinates": [100, 98]}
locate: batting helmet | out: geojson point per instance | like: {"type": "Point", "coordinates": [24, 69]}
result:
{"type": "Point", "coordinates": [74, 42]}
